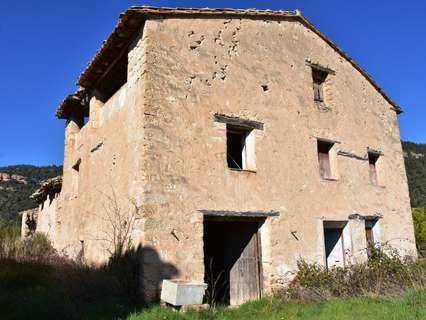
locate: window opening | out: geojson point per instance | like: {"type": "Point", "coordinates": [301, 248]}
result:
{"type": "Point", "coordinates": [324, 148]}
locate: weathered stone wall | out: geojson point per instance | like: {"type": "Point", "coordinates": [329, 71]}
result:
{"type": "Point", "coordinates": [155, 144]}
{"type": "Point", "coordinates": [199, 67]}
{"type": "Point", "coordinates": [108, 184]}
{"type": "Point", "coordinates": [46, 217]}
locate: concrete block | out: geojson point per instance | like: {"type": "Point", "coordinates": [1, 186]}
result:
{"type": "Point", "coordinates": [180, 293]}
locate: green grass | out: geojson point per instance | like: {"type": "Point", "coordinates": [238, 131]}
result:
{"type": "Point", "coordinates": [411, 306]}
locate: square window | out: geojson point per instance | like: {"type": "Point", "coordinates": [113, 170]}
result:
{"type": "Point", "coordinates": [239, 147]}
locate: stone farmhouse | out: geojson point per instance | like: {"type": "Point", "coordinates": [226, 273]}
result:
{"type": "Point", "coordinates": [227, 143]}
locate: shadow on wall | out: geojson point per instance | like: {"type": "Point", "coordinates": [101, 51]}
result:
{"type": "Point", "coordinates": [152, 273]}
{"type": "Point", "coordinates": [55, 288]}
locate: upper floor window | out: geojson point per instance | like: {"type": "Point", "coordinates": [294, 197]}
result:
{"type": "Point", "coordinates": [327, 159]}
{"type": "Point", "coordinates": [238, 147]}
{"type": "Point", "coordinates": [75, 177]}
{"type": "Point", "coordinates": [240, 142]}
{"type": "Point", "coordinates": [318, 77]}
{"type": "Point", "coordinates": [374, 159]}
{"type": "Point", "coordinates": [324, 148]}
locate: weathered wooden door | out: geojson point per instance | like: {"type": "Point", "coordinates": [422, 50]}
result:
{"type": "Point", "coordinates": [232, 261]}
{"type": "Point", "coordinates": [244, 275]}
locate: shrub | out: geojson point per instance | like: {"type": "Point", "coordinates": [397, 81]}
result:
{"type": "Point", "coordinates": [419, 219]}
{"type": "Point", "coordinates": [36, 248]}
{"type": "Point", "coordinates": [385, 273]}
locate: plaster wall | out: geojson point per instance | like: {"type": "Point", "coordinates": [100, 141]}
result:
{"type": "Point", "coordinates": [198, 67]}
{"type": "Point", "coordinates": [108, 151]}
{"type": "Point", "coordinates": [155, 144]}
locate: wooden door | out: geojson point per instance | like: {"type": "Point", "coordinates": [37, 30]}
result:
{"type": "Point", "coordinates": [244, 275]}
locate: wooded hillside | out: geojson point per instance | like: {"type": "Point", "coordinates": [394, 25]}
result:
{"type": "Point", "coordinates": [17, 183]}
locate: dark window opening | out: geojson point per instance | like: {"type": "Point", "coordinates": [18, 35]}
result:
{"type": "Point", "coordinates": [235, 146]}
{"type": "Point", "coordinates": [114, 77]}
{"type": "Point", "coordinates": [372, 163]}
{"type": "Point", "coordinates": [76, 165]}
{"type": "Point", "coordinates": [318, 77]}
{"type": "Point", "coordinates": [75, 177]}
{"type": "Point", "coordinates": [324, 148]}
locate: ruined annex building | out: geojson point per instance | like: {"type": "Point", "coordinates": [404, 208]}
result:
{"type": "Point", "coordinates": [227, 141]}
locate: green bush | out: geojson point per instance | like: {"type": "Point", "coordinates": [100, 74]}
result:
{"type": "Point", "coordinates": [419, 219]}
{"type": "Point", "coordinates": [385, 273]}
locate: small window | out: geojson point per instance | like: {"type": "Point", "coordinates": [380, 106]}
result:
{"type": "Point", "coordinates": [239, 150]}
{"type": "Point", "coordinates": [371, 234]}
{"type": "Point", "coordinates": [75, 177]}
{"type": "Point", "coordinates": [324, 148]}
{"type": "Point", "coordinates": [369, 231]}
{"type": "Point", "coordinates": [372, 163]}
{"type": "Point", "coordinates": [318, 77]}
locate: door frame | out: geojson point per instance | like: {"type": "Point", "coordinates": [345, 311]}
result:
{"type": "Point", "coordinates": [259, 221]}
{"type": "Point", "coordinates": [334, 224]}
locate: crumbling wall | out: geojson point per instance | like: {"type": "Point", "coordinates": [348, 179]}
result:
{"type": "Point", "coordinates": [28, 222]}
{"type": "Point", "coordinates": [102, 175]}
{"type": "Point", "coordinates": [46, 217]}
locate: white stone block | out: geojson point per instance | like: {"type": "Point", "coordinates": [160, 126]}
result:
{"type": "Point", "coordinates": [180, 293]}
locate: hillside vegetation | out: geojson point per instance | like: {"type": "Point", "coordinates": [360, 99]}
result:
{"type": "Point", "coordinates": [415, 164]}
{"type": "Point", "coordinates": [17, 183]}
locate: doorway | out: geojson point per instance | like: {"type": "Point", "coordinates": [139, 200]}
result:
{"type": "Point", "coordinates": [334, 243]}
{"type": "Point", "coordinates": [232, 261]}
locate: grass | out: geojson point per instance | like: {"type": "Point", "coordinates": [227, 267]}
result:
{"type": "Point", "coordinates": [409, 307]}
{"type": "Point", "coordinates": [31, 290]}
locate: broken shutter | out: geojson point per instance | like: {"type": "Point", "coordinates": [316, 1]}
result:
{"type": "Point", "coordinates": [318, 92]}
{"type": "Point", "coordinates": [324, 164]}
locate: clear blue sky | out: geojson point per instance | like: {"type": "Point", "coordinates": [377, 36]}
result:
{"type": "Point", "coordinates": [46, 44]}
